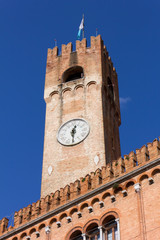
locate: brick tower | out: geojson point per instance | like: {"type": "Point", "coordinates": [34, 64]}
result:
{"type": "Point", "coordinates": [82, 113]}
{"type": "Point", "coordinates": [84, 196]}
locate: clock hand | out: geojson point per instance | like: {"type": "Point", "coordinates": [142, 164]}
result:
{"type": "Point", "coordinates": [73, 132]}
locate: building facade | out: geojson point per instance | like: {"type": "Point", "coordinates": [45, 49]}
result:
{"type": "Point", "coordinates": [88, 190]}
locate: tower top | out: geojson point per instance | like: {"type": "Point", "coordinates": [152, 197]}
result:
{"type": "Point", "coordinates": [58, 63]}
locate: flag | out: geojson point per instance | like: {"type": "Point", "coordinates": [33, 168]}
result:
{"type": "Point", "coordinates": [80, 28]}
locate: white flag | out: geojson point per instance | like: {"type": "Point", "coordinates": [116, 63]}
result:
{"type": "Point", "coordinates": [81, 26]}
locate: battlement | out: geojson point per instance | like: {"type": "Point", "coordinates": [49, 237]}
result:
{"type": "Point", "coordinates": [81, 46]}
{"type": "Point", "coordinates": [91, 181]}
{"type": "Point", "coordinates": [67, 52]}
{"type": "Point", "coordinates": [89, 58]}
{"type": "Point", "coordinates": [93, 60]}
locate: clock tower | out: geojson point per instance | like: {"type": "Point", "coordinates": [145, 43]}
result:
{"type": "Point", "coordinates": [82, 113]}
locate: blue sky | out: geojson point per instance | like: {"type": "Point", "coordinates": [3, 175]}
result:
{"type": "Point", "coordinates": [131, 32]}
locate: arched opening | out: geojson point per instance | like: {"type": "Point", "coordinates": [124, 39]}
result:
{"type": "Point", "coordinates": [41, 226]}
{"type": "Point", "coordinates": [32, 231]}
{"type": "Point", "coordinates": [118, 190]}
{"type": "Point", "coordinates": [73, 73]}
{"type": "Point", "coordinates": [129, 184]}
{"type": "Point", "coordinates": [95, 200]}
{"type": "Point", "coordinates": [92, 232]}
{"type": "Point", "coordinates": [64, 215]}
{"type": "Point", "coordinates": [110, 228]}
{"type": "Point", "coordinates": [107, 194]}
{"type": "Point", "coordinates": [23, 235]}
{"type": "Point", "coordinates": [73, 211]}
{"type": "Point", "coordinates": [85, 205]}
{"type": "Point", "coordinates": [144, 177]}
{"type": "Point", "coordinates": [77, 235]}
{"type": "Point", "coordinates": [156, 171]}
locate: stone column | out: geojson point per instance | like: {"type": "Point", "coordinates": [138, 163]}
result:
{"type": "Point", "coordinates": [118, 228]}
{"type": "Point", "coordinates": [84, 236]}
{"type": "Point", "coordinates": [100, 232]}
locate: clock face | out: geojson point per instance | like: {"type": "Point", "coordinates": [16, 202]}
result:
{"type": "Point", "coordinates": [73, 132]}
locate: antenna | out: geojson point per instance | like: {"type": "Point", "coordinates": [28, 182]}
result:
{"type": "Point", "coordinates": [96, 31]}
{"type": "Point", "coordinates": [55, 42]}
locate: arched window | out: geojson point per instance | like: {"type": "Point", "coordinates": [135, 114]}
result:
{"type": "Point", "coordinates": [77, 235]}
{"type": "Point", "coordinates": [110, 228]}
{"type": "Point", "coordinates": [73, 73]}
{"type": "Point", "coordinates": [92, 232]}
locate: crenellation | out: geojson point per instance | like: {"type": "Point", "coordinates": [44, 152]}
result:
{"type": "Point", "coordinates": [36, 208]}
{"type": "Point", "coordinates": [87, 183]}
{"type": "Point", "coordinates": [154, 148]}
{"type": "Point", "coordinates": [142, 155]}
{"type": "Point", "coordinates": [50, 51]}
{"type": "Point", "coordinates": [110, 170]}
{"type": "Point", "coordinates": [94, 180]}
{"type": "Point", "coordinates": [103, 172]}
{"type": "Point", "coordinates": [66, 49]}
{"type": "Point", "coordinates": [4, 225]}
{"type": "Point", "coordinates": [62, 196]}
{"type": "Point", "coordinates": [43, 206]}
{"type": "Point", "coordinates": [57, 197]}
{"type": "Point", "coordinates": [75, 189]}
{"type": "Point", "coordinates": [96, 43]}
{"type": "Point", "coordinates": [72, 190]}
{"type": "Point", "coordinates": [81, 45]}
{"type": "Point", "coordinates": [127, 162]}
{"type": "Point", "coordinates": [55, 51]}
{"type": "Point", "coordinates": [47, 202]}
{"type": "Point", "coordinates": [18, 217]}
{"type": "Point", "coordinates": [123, 168]}
{"type": "Point", "coordinates": [105, 51]}
{"type": "Point", "coordinates": [98, 176]}
{"type": "Point", "coordinates": [25, 214]}
{"type": "Point", "coordinates": [66, 192]}
{"type": "Point", "coordinates": [51, 54]}
{"type": "Point", "coordinates": [117, 167]}
{"type": "Point", "coordinates": [84, 184]}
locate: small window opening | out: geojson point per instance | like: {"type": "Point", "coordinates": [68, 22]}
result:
{"type": "Point", "coordinates": [73, 73]}
{"type": "Point", "coordinates": [110, 86]}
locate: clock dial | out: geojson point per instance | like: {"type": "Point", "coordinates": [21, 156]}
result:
{"type": "Point", "coordinates": [73, 132]}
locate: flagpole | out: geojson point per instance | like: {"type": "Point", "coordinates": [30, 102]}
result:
{"type": "Point", "coordinates": [83, 25]}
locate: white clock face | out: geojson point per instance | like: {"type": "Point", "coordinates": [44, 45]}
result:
{"type": "Point", "coordinates": [73, 132]}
